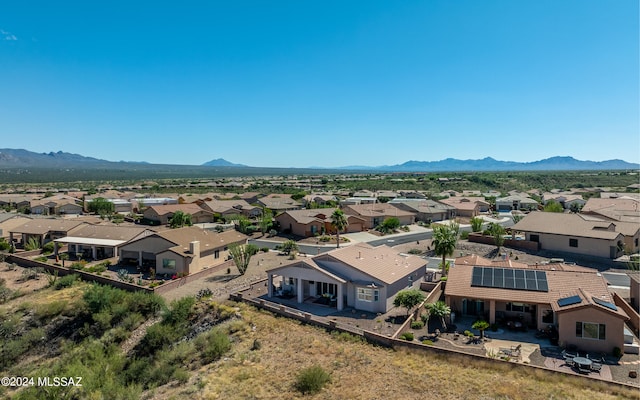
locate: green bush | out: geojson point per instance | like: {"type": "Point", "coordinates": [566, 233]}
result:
{"type": "Point", "coordinates": [49, 310]}
{"type": "Point", "coordinates": [408, 336]}
{"type": "Point", "coordinates": [66, 281]}
{"type": "Point", "coordinates": [418, 324]}
{"type": "Point", "coordinates": [179, 311]}
{"type": "Point", "coordinates": [415, 251]}
{"type": "Point", "coordinates": [311, 380]}
{"type": "Point", "coordinates": [427, 342]}
{"type": "Point", "coordinates": [48, 248]}
{"type": "Point", "coordinates": [96, 269]}
{"type": "Point", "coordinates": [264, 249]}
{"type": "Point", "coordinates": [43, 259]}
{"type": "Point", "coordinates": [464, 235]}
{"type": "Point", "coordinates": [213, 345]}
{"type": "Point", "coordinates": [617, 352]}
{"type": "Point", "coordinates": [78, 264]}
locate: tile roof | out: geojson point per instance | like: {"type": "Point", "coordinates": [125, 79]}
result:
{"type": "Point", "coordinates": [42, 226]}
{"type": "Point", "coordinates": [307, 216]}
{"type": "Point", "coordinates": [567, 224]}
{"type": "Point", "coordinates": [188, 208]}
{"type": "Point", "coordinates": [381, 262]}
{"type": "Point", "coordinates": [183, 236]}
{"type": "Point", "coordinates": [114, 232]}
{"type": "Point", "coordinates": [563, 282]}
{"type": "Point", "coordinates": [378, 210]}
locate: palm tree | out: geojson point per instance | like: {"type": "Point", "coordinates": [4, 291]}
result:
{"type": "Point", "coordinates": [439, 309]}
{"type": "Point", "coordinates": [339, 223]}
{"type": "Point", "coordinates": [445, 238]}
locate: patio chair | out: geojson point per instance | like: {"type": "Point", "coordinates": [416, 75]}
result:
{"type": "Point", "coordinates": [596, 367]}
{"type": "Point", "coordinates": [569, 361]}
{"type": "Point", "coordinates": [584, 369]}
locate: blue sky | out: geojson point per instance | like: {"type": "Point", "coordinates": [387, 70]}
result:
{"type": "Point", "coordinates": [321, 83]}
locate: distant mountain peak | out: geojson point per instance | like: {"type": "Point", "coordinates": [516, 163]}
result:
{"type": "Point", "coordinates": [221, 162]}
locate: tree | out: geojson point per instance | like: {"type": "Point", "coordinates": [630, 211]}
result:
{"type": "Point", "coordinates": [497, 231]}
{"type": "Point", "coordinates": [266, 221]}
{"type": "Point", "coordinates": [480, 325]}
{"type": "Point", "coordinates": [290, 247]}
{"type": "Point", "coordinates": [476, 224]}
{"type": "Point", "coordinates": [445, 238]}
{"type": "Point", "coordinates": [575, 207]}
{"type": "Point", "coordinates": [389, 225]}
{"type": "Point", "coordinates": [180, 219]}
{"type": "Point", "coordinates": [63, 257]}
{"type": "Point", "coordinates": [339, 223]}
{"type": "Point", "coordinates": [441, 310]}
{"type": "Point", "coordinates": [240, 221]}
{"type": "Point", "coordinates": [101, 206]}
{"type": "Point", "coordinates": [408, 299]}
{"type": "Point", "coordinates": [553, 206]}
{"type": "Point", "coordinates": [241, 255]}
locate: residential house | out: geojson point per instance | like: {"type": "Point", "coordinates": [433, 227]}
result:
{"type": "Point", "coordinates": [59, 204]}
{"type": "Point", "coordinates": [97, 242]}
{"type": "Point", "coordinates": [163, 214]}
{"type": "Point", "coordinates": [567, 200]}
{"type": "Point", "coordinates": [624, 209]}
{"type": "Point", "coordinates": [10, 221]}
{"type": "Point", "coordinates": [224, 208]}
{"type": "Point", "coordinates": [312, 222]}
{"type": "Point", "coordinates": [574, 299]}
{"type": "Point", "coordinates": [319, 199]}
{"type": "Point", "coordinates": [467, 206]}
{"type": "Point", "coordinates": [43, 230]}
{"type": "Point", "coordinates": [279, 203]}
{"type": "Point", "coordinates": [572, 233]}
{"type": "Point", "coordinates": [181, 251]}
{"type": "Point", "coordinates": [350, 201]}
{"type": "Point", "coordinates": [361, 276]}
{"type": "Point", "coordinates": [516, 202]}
{"type": "Point", "coordinates": [375, 214]}
{"type": "Point", "coordinates": [426, 210]}
{"type": "Point", "coordinates": [15, 201]}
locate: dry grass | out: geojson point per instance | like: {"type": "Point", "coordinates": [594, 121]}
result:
{"type": "Point", "coordinates": [362, 371]}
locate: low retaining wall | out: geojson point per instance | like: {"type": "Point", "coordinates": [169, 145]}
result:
{"type": "Point", "coordinates": [170, 285]}
{"type": "Point", "coordinates": [85, 276]}
{"type": "Point", "coordinates": [634, 317]}
{"type": "Point", "coordinates": [516, 244]}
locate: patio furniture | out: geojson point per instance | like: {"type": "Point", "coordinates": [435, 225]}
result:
{"type": "Point", "coordinates": [583, 364]}
{"type": "Point", "coordinates": [596, 367]}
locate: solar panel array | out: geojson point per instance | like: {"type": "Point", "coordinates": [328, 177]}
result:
{"type": "Point", "coordinates": [510, 278]}
{"type": "Point", "coordinates": [605, 304]}
{"type": "Point", "coordinates": [567, 301]}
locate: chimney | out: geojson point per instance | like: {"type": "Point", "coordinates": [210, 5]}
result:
{"type": "Point", "coordinates": [194, 248]}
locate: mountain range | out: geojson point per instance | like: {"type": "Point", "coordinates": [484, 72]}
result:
{"type": "Point", "coordinates": [20, 158]}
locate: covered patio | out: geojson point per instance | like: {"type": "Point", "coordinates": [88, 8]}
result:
{"type": "Point", "coordinates": [96, 249]}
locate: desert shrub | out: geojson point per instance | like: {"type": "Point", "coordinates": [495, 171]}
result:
{"type": "Point", "coordinates": [96, 269]}
{"type": "Point", "coordinates": [204, 293]}
{"type": "Point", "coordinates": [43, 259]}
{"type": "Point", "coordinates": [415, 251]}
{"type": "Point", "coordinates": [418, 324]}
{"type": "Point", "coordinates": [347, 337]}
{"type": "Point", "coordinates": [157, 337]}
{"type": "Point", "coordinates": [213, 345]}
{"type": "Point", "coordinates": [5, 294]}
{"type": "Point", "coordinates": [256, 345]}
{"type": "Point", "coordinates": [464, 235]}
{"type": "Point", "coordinates": [101, 297]}
{"type": "Point", "coordinates": [4, 245]}
{"type": "Point", "coordinates": [154, 284]}
{"type": "Point", "coordinates": [12, 350]}
{"type": "Point", "coordinates": [66, 281]}
{"type": "Point", "coordinates": [264, 249]}
{"type": "Point", "coordinates": [408, 336]}
{"type": "Point", "coordinates": [48, 248]}
{"type": "Point", "coordinates": [49, 310]}
{"type": "Point", "coordinates": [427, 342]}
{"type": "Point", "coordinates": [132, 321]}
{"type": "Point", "coordinates": [311, 380]}
{"type": "Point", "coordinates": [79, 264]}
{"type": "Point", "coordinates": [617, 352]}
{"type": "Point", "coordinates": [179, 311]}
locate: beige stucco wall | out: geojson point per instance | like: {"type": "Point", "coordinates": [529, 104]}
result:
{"type": "Point", "coordinates": [586, 246]}
{"type": "Point", "coordinates": [180, 263]}
{"type": "Point", "coordinates": [614, 330]}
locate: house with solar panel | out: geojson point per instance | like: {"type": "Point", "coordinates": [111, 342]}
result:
{"type": "Point", "coordinates": [574, 299]}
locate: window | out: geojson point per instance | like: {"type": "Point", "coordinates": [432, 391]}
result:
{"type": "Point", "coordinates": [169, 264]}
{"type": "Point", "coordinates": [366, 294]}
{"type": "Point", "coordinates": [590, 330]}
{"type": "Point", "coordinates": [573, 242]}
{"type": "Point", "coordinates": [547, 317]}
{"type": "Point", "coordinates": [517, 307]}
{"type": "Point", "coordinates": [534, 238]}
{"type": "Point", "coordinates": [216, 254]}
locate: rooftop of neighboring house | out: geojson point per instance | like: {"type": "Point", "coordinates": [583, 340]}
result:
{"type": "Point", "coordinates": [378, 210]}
{"type": "Point", "coordinates": [561, 197]}
{"type": "Point", "coordinates": [208, 240]}
{"type": "Point", "coordinates": [279, 201]}
{"type": "Point", "coordinates": [464, 203]}
{"type": "Point", "coordinates": [516, 197]}
{"type": "Point", "coordinates": [310, 215]}
{"type": "Point", "coordinates": [626, 209]}
{"type": "Point", "coordinates": [114, 232]}
{"type": "Point", "coordinates": [41, 226]}
{"type": "Point", "coordinates": [59, 199]}
{"type": "Point", "coordinates": [563, 281]}
{"type": "Point", "coordinates": [423, 205]}
{"type": "Point", "coordinates": [221, 206]}
{"type": "Point", "coordinates": [568, 225]}
{"type": "Point", "coordinates": [188, 208]}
